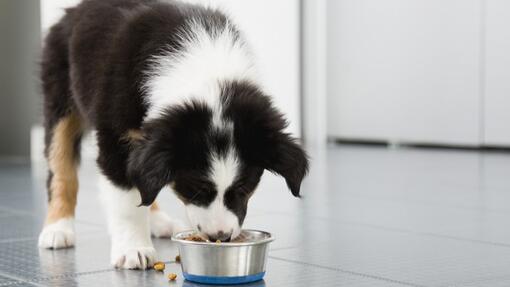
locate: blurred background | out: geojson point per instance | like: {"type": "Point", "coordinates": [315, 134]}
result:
{"type": "Point", "coordinates": [404, 107]}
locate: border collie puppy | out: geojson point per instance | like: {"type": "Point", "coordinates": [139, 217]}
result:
{"type": "Point", "coordinates": [171, 92]}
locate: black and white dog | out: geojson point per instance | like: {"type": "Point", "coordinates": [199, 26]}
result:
{"type": "Point", "coordinates": [171, 91]}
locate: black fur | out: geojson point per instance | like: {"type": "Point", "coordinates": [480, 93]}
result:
{"type": "Point", "coordinates": [94, 63]}
{"type": "Point", "coordinates": [175, 144]}
{"type": "Point", "coordinates": [259, 133]}
{"type": "Point", "coordinates": [237, 196]}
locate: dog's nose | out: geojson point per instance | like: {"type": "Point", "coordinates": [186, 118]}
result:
{"type": "Point", "coordinates": [222, 236]}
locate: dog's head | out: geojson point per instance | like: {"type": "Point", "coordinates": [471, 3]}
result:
{"type": "Point", "coordinates": [214, 156]}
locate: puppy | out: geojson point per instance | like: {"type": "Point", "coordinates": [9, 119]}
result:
{"type": "Point", "coordinates": [171, 91]}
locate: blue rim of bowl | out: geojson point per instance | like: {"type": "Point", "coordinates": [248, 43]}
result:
{"type": "Point", "coordinates": [224, 280]}
{"type": "Point", "coordinates": [269, 238]}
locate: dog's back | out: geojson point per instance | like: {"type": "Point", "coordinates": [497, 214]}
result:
{"type": "Point", "coordinates": [101, 47]}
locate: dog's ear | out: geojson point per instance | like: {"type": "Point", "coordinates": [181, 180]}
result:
{"type": "Point", "coordinates": [149, 169]}
{"type": "Point", "coordinates": [289, 160]}
{"type": "Point", "coordinates": [259, 133]}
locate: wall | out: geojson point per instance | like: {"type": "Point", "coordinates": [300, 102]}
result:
{"type": "Point", "coordinates": [405, 71]}
{"type": "Point", "coordinates": [19, 93]}
{"type": "Point", "coordinates": [421, 71]}
{"type": "Point", "coordinates": [497, 73]}
{"type": "Point", "coordinates": [314, 76]}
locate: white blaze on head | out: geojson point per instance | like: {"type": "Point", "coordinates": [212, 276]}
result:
{"type": "Point", "coordinates": [216, 217]}
{"type": "Point", "coordinates": [203, 60]}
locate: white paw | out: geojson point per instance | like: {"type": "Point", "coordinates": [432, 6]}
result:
{"type": "Point", "coordinates": [59, 234]}
{"type": "Point", "coordinates": [133, 257]}
{"type": "Point", "coordinates": [164, 226]}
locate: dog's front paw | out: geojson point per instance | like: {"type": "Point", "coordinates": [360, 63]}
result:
{"type": "Point", "coordinates": [133, 257]}
{"type": "Point", "coordinates": [164, 226]}
{"type": "Point", "coordinates": [59, 234]}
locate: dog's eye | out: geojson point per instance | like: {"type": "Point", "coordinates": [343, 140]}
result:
{"type": "Point", "coordinates": [242, 191]}
{"type": "Point", "coordinates": [245, 191]}
{"type": "Point", "coordinates": [243, 188]}
{"type": "Point", "coordinates": [195, 192]}
{"type": "Point", "coordinates": [201, 196]}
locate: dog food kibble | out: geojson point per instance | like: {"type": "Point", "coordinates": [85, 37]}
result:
{"type": "Point", "coordinates": [195, 238]}
{"type": "Point", "coordinates": [159, 266]}
{"type": "Point", "coordinates": [172, 276]}
{"type": "Point", "coordinates": [178, 259]}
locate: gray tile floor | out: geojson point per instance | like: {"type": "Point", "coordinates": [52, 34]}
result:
{"type": "Point", "coordinates": [370, 216]}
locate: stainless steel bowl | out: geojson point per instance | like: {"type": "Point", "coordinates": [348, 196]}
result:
{"type": "Point", "coordinates": [227, 262]}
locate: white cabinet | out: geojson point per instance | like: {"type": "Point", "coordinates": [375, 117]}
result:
{"type": "Point", "coordinates": [497, 74]}
{"type": "Point", "coordinates": [420, 71]}
{"type": "Point", "coordinates": [405, 71]}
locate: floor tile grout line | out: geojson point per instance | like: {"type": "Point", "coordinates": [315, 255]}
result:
{"type": "Point", "coordinates": [405, 231]}
{"type": "Point", "coordinates": [31, 284]}
{"type": "Point", "coordinates": [42, 279]}
{"type": "Point", "coordinates": [15, 211]}
{"type": "Point", "coordinates": [35, 237]}
{"type": "Point", "coordinates": [359, 274]}
{"type": "Point", "coordinates": [427, 234]}
{"type": "Point", "coordinates": [423, 203]}
{"type": "Point", "coordinates": [478, 281]}
{"type": "Point", "coordinates": [20, 239]}
{"type": "Point", "coordinates": [12, 283]}
{"type": "Point", "coordinates": [27, 213]}
{"type": "Point", "coordinates": [18, 279]}
{"type": "Point", "coordinates": [112, 269]}
{"type": "Point", "coordinates": [284, 248]}
{"type": "Point", "coordinates": [18, 283]}
{"type": "Point", "coordinates": [72, 275]}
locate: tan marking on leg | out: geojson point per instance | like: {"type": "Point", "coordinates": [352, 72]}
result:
{"type": "Point", "coordinates": [63, 165]}
{"type": "Point", "coordinates": [155, 206]}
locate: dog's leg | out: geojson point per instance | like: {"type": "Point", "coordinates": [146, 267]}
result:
{"type": "Point", "coordinates": [62, 153]}
{"type": "Point", "coordinates": [62, 137]}
{"type": "Point", "coordinates": [163, 225]}
{"type": "Point", "coordinates": [129, 227]}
